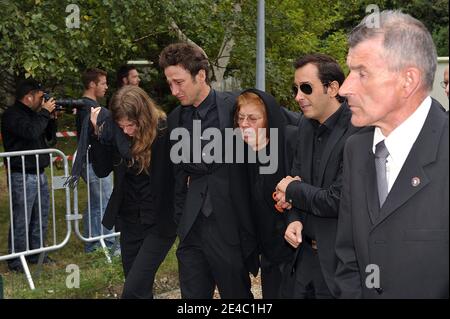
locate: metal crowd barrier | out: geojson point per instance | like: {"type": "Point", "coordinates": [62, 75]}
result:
{"type": "Point", "coordinates": [90, 237]}
{"type": "Point", "coordinates": [55, 183]}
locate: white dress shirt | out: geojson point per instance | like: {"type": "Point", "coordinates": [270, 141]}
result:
{"type": "Point", "coordinates": [401, 140]}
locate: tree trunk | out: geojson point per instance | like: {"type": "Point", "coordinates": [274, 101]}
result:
{"type": "Point", "coordinates": [220, 63]}
{"type": "Point", "coordinates": [7, 89]}
{"type": "Point", "coordinates": [223, 58]}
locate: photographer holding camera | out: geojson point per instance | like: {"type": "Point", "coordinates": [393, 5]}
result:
{"type": "Point", "coordinates": [29, 124]}
{"type": "Point", "coordinates": [100, 189]}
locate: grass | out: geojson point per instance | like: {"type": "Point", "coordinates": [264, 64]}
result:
{"type": "Point", "coordinates": [98, 279]}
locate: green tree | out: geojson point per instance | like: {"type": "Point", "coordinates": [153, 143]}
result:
{"type": "Point", "coordinates": [35, 41]}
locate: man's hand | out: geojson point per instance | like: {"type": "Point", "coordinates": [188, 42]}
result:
{"type": "Point", "coordinates": [49, 105]}
{"type": "Point", "coordinates": [95, 111]}
{"type": "Point", "coordinates": [293, 234]}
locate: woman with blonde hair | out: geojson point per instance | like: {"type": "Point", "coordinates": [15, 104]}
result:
{"type": "Point", "coordinates": [130, 139]}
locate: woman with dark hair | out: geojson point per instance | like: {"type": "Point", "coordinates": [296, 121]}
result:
{"type": "Point", "coordinates": [131, 140]}
{"type": "Point", "coordinates": [265, 130]}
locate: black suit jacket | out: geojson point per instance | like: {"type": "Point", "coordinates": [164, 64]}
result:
{"type": "Point", "coordinates": [321, 202]}
{"type": "Point", "coordinates": [106, 159]}
{"type": "Point", "coordinates": [230, 206]}
{"type": "Point", "coordinates": [409, 241]}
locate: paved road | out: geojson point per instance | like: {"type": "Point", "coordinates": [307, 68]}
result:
{"type": "Point", "coordinates": [175, 294]}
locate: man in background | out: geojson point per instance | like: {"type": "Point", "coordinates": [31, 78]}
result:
{"type": "Point", "coordinates": [100, 189]}
{"type": "Point", "coordinates": [444, 83]}
{"type": "Point", "coordinates": [127, 75]}
{"type": "Point", "coordinates": [29, 124]}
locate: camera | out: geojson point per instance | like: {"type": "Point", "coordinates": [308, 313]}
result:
{"type": "Point", "coordinates": [66, 104]}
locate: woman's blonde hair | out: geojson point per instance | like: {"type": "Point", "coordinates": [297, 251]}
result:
{"type": "Point", "coordinates": [250, 98]}
{"type": "Point", "coordinates": [133, 104]}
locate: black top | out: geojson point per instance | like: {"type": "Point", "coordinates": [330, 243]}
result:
{"type": "Point", "coordinates": [150, 196]}
{"type": "Point", "coordinates": [269, 223]}
{"type": "Point", "coordinates": [24, 129]}
{"type": "Point", "coordinates": [322, 133]}
{"type": "Point", "coordinates": [138, 196]}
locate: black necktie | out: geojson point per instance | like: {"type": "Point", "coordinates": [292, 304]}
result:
{"type": "Point", "coordinates": [195, 114]}
{"type": "Point", "coordinates": [381, 154]}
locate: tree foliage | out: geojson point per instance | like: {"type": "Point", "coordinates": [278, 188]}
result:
{"type": "Point", "coordinates": [35, 41]}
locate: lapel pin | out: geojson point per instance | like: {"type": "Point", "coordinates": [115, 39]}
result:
{"type": "Point", "coordinates": [415, 181]}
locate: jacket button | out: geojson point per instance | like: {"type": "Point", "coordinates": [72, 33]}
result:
{"type": "Point", "coordinates": [379, 290]}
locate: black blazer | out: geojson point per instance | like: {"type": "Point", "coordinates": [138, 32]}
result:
{"type": "Point", "coordinates": [409, 241]}
{"type": "Point", "coordinates": [229, 205]}
{"type": "Point", "coordinates": [321, 202]}
{"type": "Point", "coordinates": [106, 159]}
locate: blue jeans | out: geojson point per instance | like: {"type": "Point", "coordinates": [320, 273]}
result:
{"type": "Point", "coordinates": [28, 200]}
{"type": "Point", "coordinates": [97, 191]}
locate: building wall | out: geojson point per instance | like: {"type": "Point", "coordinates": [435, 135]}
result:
{"type": "Point", "coordinates": [438, 92]}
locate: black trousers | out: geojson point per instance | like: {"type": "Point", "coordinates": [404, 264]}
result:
{"type": "Point", "coordinates": [310, 283]}
{"type": "Point", "coordinates": [143, 251]}
{"type": "Point", "coordinates": [277, 282]}
{"type": "Point", "coordinates": [205, 260]}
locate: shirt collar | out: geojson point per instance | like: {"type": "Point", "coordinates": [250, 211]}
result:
{"type": "Point", "coordinates": [330, 122]}
{"type": "Point", "coordinates": [206, 104]}
{"type": "Point", "coordinates": [24, 107]}
{"type": "Point", "coordinates": [401, 139]}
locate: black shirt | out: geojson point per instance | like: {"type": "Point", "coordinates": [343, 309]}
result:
{"type": "Point", "coordinates": [322, 134]}
{"type": "Point", "coordinates": [208, 116]}
{"type": "Point", "coordinates": [138, 195]}
{"type": "Point", "coordinates": [24, 129]}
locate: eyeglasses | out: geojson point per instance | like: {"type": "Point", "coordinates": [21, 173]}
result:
{"type": "Point", "coordinates": [251, 118]}
{"type": "Point", "coordinates": [444, 84]}
{"type": "Point", "coordinates": [305, 88]}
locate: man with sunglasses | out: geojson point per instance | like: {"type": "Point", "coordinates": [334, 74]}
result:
{"type": "Point", "coordinates": [311, 197]}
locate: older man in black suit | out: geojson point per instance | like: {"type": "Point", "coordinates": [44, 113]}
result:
{"type": "Point", "coordinates": [392, 239]}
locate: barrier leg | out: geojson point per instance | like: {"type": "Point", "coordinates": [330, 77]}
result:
{"type": "Point", "coordinates": [1, 287]}
{"type": "Point", "coordinates": [27, 272]}
{"type": "Point", "coordinates": [105, 250]}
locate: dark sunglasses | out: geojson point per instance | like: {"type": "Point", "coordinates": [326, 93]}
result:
{"type": "Point", "coordinates": [306, 88]}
